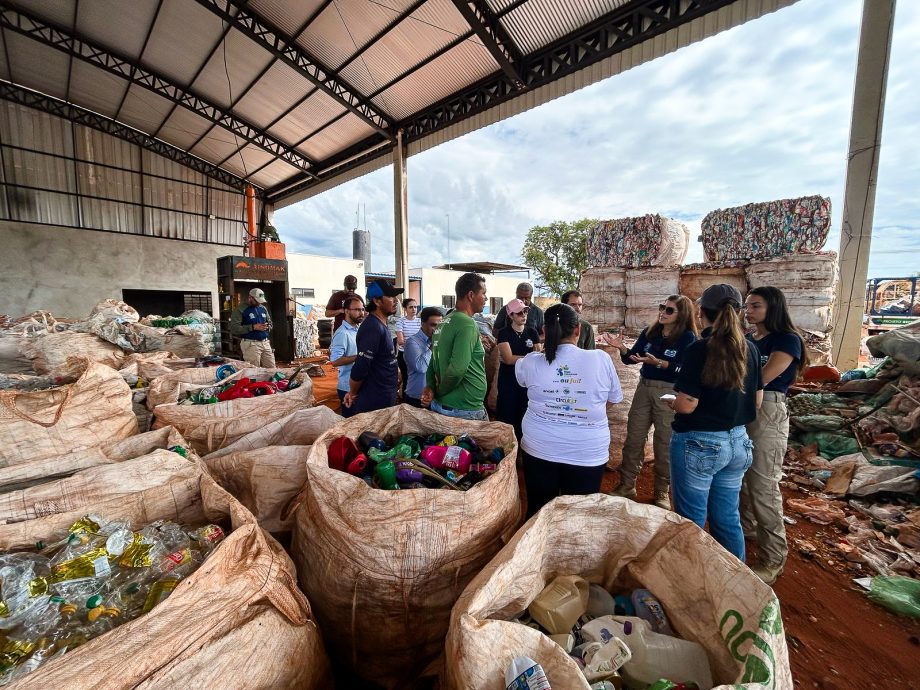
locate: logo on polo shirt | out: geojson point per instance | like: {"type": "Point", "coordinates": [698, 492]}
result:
{"type": "Point", "coordinates": [670, 353]}
{"type": "Point", "coordinates": [763, 360]}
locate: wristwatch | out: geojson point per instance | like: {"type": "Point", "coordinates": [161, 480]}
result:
{"type": "Point", "coordinates": [659, 363]}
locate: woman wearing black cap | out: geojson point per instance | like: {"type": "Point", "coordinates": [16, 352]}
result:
{"type": "Point", "coordinates": [783, 357]}
{"type": "Point", "coordinates": [719, 389]}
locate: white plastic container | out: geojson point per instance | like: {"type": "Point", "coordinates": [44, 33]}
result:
{"type": "Point", "coordinates": [603, 661]}
{"type": "Point", "coordinates": [561, 603]}
{"type": "Point", "coordinates": [657, 656]}
{"type": "Point", "coordinates": [525, 674]}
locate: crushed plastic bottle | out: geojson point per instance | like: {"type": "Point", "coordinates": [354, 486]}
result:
{"type": "Point", "coordinates": [101, 575]}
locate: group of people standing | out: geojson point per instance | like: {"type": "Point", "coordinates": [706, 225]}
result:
{"type": "Point", "coordinates": [714, 396]}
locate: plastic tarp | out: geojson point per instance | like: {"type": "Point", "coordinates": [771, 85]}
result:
{"type": "Point", "coordinates": [764, 229]}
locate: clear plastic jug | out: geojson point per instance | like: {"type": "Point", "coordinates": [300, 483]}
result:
{"type": "Point", "coordinates": [561, 603]}
{"type": "Point", "coordinates": [657, 656]}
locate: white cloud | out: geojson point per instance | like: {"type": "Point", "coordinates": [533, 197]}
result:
{"type": "Point", "coordinates": [756, 113]}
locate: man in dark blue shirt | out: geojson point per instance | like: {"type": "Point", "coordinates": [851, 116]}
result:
{"type": "Point", "coordinates": [252, 325]}
{"type": "Point", "coordinates": [374, 374]}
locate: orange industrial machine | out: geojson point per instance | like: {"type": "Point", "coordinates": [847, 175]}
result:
{"type": "Point", "coordinates": [258, 247]}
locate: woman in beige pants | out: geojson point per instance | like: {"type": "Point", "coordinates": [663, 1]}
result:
{"type": "Point", "coordinates": [660, 350]}
{"type": "Point", "coordinates": [783, 357]}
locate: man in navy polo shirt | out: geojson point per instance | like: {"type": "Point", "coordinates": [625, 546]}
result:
{"type": "Point", "coordinates": [252, 325]}
{"type": "Point", "coordinates": [374, 374]}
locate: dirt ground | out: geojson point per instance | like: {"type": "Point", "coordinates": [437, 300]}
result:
{"type": "Point", "coordinates": [838, 639]}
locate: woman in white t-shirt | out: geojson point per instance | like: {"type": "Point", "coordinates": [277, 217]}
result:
{"type": "Point", "coordinates": [566, 439]}
{"type": "Point", "coordinates": [406, 327]}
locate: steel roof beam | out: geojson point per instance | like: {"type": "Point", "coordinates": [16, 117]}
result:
{"type": "Point", "coordinates": [484, 22]}
{"type": "Point", "coordinates": [284, 48]}
{"type": "Point", "coordinates": [126, 68]}
{"type": "Point", "coordinates": [54, 106]}
{"type": "Point", "coordinates": [627, 26]}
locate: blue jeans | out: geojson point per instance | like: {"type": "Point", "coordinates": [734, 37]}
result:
{"type": "Point", "coordinates": [706, 472]}
{"type": "Point", "coordinates": [479, 415]}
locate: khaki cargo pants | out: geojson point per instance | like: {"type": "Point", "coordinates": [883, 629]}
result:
{"type": "Point", "coordinates": [258, 352]}
{"type": "Point", "coordinates": [761, 500]}
{"type": "Point", "coordinates": [648, 409]}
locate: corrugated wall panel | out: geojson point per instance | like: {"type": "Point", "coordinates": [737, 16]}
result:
{"type": "Point", "coordinates": [112, 216]}
{"type": "Point", "coordinates": [22, 126]}
{"type": "Point", "coordinates": [39, 170]}
{"type": "Point", "coordinates": [174, 225]}
{"type": "Point", "coordinates": [49, 208]}
{"type": "Point", "coordinates": [696, 30]}
{"type": "Point", "coordinates": [174, 195]}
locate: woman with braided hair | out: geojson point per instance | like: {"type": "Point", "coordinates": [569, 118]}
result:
{"type": "Point", "coordinates": [719, 389]}
{"type": "Point", "coordinates": [566, 438]}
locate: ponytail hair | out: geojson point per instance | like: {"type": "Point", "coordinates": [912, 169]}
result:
{"type": "Point", "coordinates": [559, 323]}
{"type": "Point", "coordinates": [779, 320]}
{"type": "Point", "coordinates": [726, 348]}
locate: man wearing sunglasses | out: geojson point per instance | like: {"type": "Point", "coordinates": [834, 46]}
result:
{"type": "Point", "coordinates": [586, 336]}
{"type": "Point", "coordinates": [343, 351]}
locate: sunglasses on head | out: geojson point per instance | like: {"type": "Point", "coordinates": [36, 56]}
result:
{"type": "Point", "coordinates": [666, 309]}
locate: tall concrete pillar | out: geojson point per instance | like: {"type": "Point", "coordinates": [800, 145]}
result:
{"type": "Point", "coordinates": [862, 172]}
{"type": "Point", "coordinates": [401, 212]}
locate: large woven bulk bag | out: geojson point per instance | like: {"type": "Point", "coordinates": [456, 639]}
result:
{"type": "Point", "coordinates": [382, 569]}
{"type": "Point", "coordinates": [695, 278]}
{"type": "Point", "coordinates": [264, 470]}
{"type": "Point", "coordinates": [606, 286]}
{"type": "Point", "coordinates": [93, 410]}
{"type": "Point", "coordinates": [12, 361]}
{"type": "Point", "coordinates": [617, 415]}
{"type": "Point", "coordinates": [650, 240]}
{"type": "Point", "coordinates": [237, 621]}
{"type": "Point", "coordinates": [44, 469]}
{"type": "Point", "coordinates": [709, 596]}
{"type": "Point", "coordinates": [772, 228]}
{"type": "Point", "coordinates": [212, 427]}
{"type": "Point", "coordinates": [809, 283]}
{"type": "Point", "coordinates": [49, 352]}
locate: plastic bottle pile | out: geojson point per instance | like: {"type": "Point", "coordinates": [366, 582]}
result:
{"type": "Point", "coordinates": [239, 388]}
{"type": "Point", "coordinates": [100, 576]}
{"type": "Point", "coordinates": [434, 461]}
{"type": "Point", "coordinates": [617, 641]}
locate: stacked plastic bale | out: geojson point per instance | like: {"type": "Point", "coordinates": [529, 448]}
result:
{"type": "Point", "coordinates": [767, 229]}
{"type": "Point", "coordinates": [695, 278]}
{"type": "Point", "coordinates": [604, 293]}
{"type": "Point", "coordinates": [646, 288]}
{"type": "Point", "coordinates": [809, 282]}
{"type": "Point", "coordinates": [622, 246]}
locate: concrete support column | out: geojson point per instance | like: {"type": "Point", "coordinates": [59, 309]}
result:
{"type": "Point", "coordinates": [401, 212]}
{"type": "Point", "coordinates": [862, 171]}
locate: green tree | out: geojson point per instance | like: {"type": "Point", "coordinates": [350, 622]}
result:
{"type": "Point", "coordinates": [558, 253]}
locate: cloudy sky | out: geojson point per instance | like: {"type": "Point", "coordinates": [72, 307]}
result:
{"type": "Point", "coordinates": [757, 113]}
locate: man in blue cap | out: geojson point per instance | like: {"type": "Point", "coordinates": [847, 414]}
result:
{"type": "Point", "coordinates": [374, 374]}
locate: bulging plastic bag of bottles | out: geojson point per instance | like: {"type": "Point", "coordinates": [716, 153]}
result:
{"type": "Point", "coordinates": [101, 575]}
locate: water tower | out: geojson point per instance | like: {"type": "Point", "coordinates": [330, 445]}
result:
{"type": "Point", "coordinates": [361, 247]}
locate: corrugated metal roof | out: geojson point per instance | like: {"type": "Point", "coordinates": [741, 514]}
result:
{"type": "Point", "coordinates": [422, 51]}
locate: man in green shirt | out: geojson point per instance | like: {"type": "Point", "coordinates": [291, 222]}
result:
{"type": "Point", "coordinates": [456, 376]}
{"type": "Point", "coordinates": [574, 299]}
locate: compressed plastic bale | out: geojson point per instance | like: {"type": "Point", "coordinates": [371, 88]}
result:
{"type": "Point", "coordinates": [90, 412]}
{"type": "Point", "coordinates": [42, 470]}
{"type": "Point", "coordinates": [211, 427]}
{"type": "Point", "coordinates": [695, 278]}
{"type": "Point", "coordinates": [267, 468]}
{"type": "Point", "coordinates": [710, 597]}
{"type": "Point", "coordinates": [646, 288]}
{"type": "Point", "coordinates": [765, 229]}
{"type": "Point", "coordinates": [809, 283]}
{"type": "Point", "coordinates": [650, 240]}
{"type": "Point", "coordinates": [237, 621]}
{"type": "Point", "coordinates": [603, 287]}
{"type": "Point", "coordinates": [617, 415]}
{"type": "Point", "coordinates": [382, 569]}
{"type": "Point", "coordinates": [50, 352]}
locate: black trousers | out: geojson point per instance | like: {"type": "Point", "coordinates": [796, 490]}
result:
{"type": "Point", "coordinates": [403, 369]}
{"type": "Point", "coordinates": [545, 480]}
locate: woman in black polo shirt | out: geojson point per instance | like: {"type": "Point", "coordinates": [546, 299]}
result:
{"type": "Point", "coordinates": [782, 358]}
{"type": "Point", "coordinates": [718, 393]}
{"type": "Point", "coordinates": [660, 350]}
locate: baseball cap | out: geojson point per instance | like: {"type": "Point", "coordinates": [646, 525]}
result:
{"type": "Point", "coordinates": [515, 306]}
{"type": "Point", "coordinates": [381, 288]}
{"type": "Point", "coordinates": [717, 295]}
{"type": "Point", "coordinates": [258, 295]}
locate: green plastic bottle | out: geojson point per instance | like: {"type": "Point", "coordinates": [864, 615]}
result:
{"type": "Point", "coordinates": [386, 474]}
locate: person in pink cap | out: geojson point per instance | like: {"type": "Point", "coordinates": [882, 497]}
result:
{"type": "Point", "coordinates": [515, 341]}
